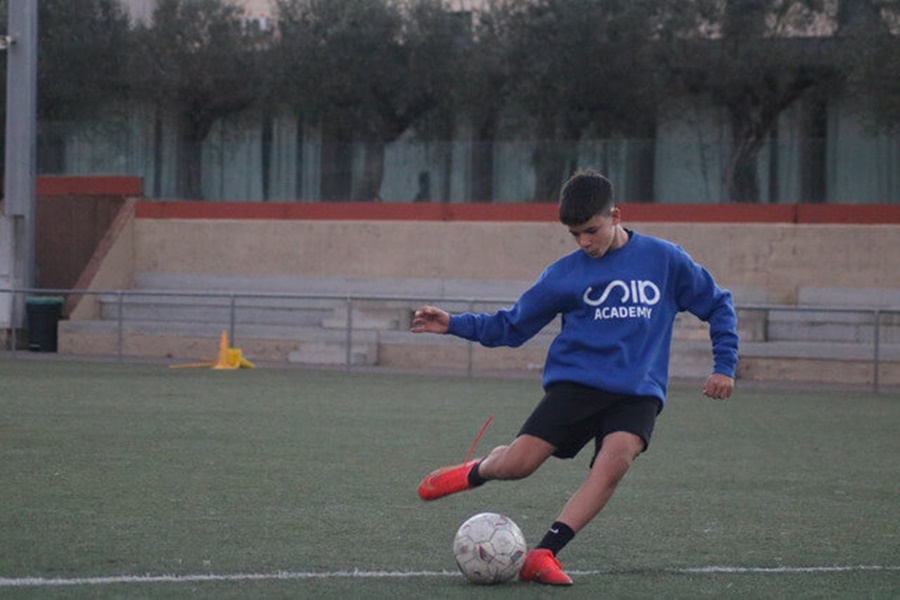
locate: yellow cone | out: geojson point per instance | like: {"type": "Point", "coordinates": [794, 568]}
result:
{"type": "Point", "coordinates": [224, 361]}
{"type": "Point", "coordinates": [228, 359]}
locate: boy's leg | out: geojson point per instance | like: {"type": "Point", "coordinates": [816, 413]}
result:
{"type": "Point", "coordinates": [619, 450]}
{"type": "Point", "coordinates": [518, 460]}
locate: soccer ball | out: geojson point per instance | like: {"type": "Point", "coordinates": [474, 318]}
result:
{"type": "Point", "coordinates": [489, 548]}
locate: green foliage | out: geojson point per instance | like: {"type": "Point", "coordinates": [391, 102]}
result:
{"type": "Point", "coordinates": [583, 61]}
{"type": "Point", "coordinates": [82, 51]}
{"type": "Point", "coordinates": [870, 59]}
{"type": "Point", "coordinates": [580, 67]}
{"type": "Point", "coordinates": [555, 71]}
{"type": "Point", "coordinates": [198, 62]}
{"type": "Point", "coordinates": [755, 62]}
{"type": "Point", "coordinates": [199, 59]}
{"type": "Point", "coordinates": [371, 67]}
{"type": "Point", "coordinates": [366, 70]}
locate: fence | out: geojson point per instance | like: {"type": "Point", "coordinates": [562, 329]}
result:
{"type": "Point", "coordinates": [867, 335]}
{"type": "Point", "coordinates": [874, 320]}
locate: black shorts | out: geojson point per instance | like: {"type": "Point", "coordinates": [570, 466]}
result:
{"type": "Point", "coordinates": [570, 415]}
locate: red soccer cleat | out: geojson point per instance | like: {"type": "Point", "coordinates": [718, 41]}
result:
{"type": "Point", "coordinates": [542, 567]}
{"type": "Point", "coordinates": [446, 481]}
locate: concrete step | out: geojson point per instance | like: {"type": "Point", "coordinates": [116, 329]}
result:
{"type": "Point", "coordinates": [304, 321]}
{"type": "Point", "coordinates": [255, 331]}
{"type": "Point", "coordinates": [849, 297]}
{"type": "Point", "coordinates": [379, 315]}
{"type": "Point", "coordinates": [767, 361]}
{"type": "Point", "coordinates": [434, 289]}
{"type": "Point", "coordinates": [217, 309]}
{"type": "Point", "coordinates": [326, 304]}
{"type": "Point", "coordinates": [292, 344]}
{"type": "Point", "coordinates": [334, 353]}
{"type": "Point", "coordinates": [325, 311]}
{"type": "Point", "coordinates": [831, 326]}
{"type": "Point", "coordinates": [819, 350]}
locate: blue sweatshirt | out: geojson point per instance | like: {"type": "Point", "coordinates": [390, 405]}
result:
{"type": "Point", "coordinates": [617, 316]}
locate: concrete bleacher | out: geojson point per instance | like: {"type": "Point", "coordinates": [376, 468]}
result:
{"type": "Point", "coordinates": [838, 316]}
{"type": "Point", "coordinates": [294, 319]}
{"type": "Point", "coordinates": [304, 320]}
{"type": "Point", "coordinates": [832, 335]}
{"type": "Point", "coordinates": [292, 288]}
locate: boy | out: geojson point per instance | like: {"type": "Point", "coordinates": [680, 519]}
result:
{"type": "Point", "coordinates": [606, 372]}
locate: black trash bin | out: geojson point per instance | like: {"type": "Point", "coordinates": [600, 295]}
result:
{"type": "Point", "coordinates": [43, 322]}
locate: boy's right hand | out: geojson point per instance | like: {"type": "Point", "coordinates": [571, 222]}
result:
{"type": "Point", "coordinates": [430, 319]}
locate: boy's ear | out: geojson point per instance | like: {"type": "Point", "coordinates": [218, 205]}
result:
{"type": "Point", "coordinates": [616, 215]}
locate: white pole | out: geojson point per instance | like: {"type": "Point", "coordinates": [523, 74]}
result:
{"type": "Point", "coordinates": [21, 126]}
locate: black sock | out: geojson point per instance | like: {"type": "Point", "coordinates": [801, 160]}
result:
{"type": "Point", "coordinates": [557, 537]}
{"type": "Point", "coordinates": [474, 478]}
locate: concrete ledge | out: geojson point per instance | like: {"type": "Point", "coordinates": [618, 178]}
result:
{"type": "Point", "coordinates": [849, 297]}
{"type": "Point", "coordinates": [819, 350]}
{"type": "Point", "coordinates": [818, 371]}
{"type": "Point", "coordinates": [691, 359]}
{"type": "Point", "coordinates": [212, 330]}
{"type": "Point", "coordinates": [435, 289]}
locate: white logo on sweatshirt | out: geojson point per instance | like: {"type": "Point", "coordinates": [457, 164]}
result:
{"type": "Point", "coordinates": [635, 299]}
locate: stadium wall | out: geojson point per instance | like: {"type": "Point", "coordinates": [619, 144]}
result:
{"type": "Point", "coordinates": [807, 254]}
{"type": "Point", "coordinates": [766, 253]}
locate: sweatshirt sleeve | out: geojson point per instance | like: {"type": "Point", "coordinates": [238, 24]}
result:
{"type": "Point", "coordinates": [698, 294]}
{"type": "Point", "coordinates": [511, 326]}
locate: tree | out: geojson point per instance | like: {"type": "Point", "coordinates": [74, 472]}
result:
{"type": "Point", "coordinates": [486, 79]}
{"type": "Point", "coordinates": [869, 56]}
{"type": "Point", "coordinates": [365, 71]}
{"type": "Point", "coordinates": [81, 46]}
{"type": "Point", "coordinates": [578, 67]}
{"type": "Point", "coordinates": [198, 62]}
{"type": "Point", "coordinates": [81, 68]}
{"type": "Point", "coordinates": [755, 59]}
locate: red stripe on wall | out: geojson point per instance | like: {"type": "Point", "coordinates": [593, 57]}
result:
{"type": "Point", "coordinates": [849, 213]}
{"type": "Point", "coordinates": [525, 211]}
{"type": "Point", "coordinates": [52, 185]}
{"type": "Point", "coordinates": [545, 212]}
{"type": "Point", "coordinates": [709, 213]}
{"type": "Point", "coordinates": [541, 212]}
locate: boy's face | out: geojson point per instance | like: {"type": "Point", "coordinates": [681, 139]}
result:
{"type": "Point", "coordinates": [597, 236]}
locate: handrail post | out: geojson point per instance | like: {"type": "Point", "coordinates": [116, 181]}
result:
{"type": "Point", "coordinates": [470, 349]}
{"type": "Point", "coordinates": [877, 352]}
{"type": "Point", "coordinates": [231, 317]}
{"type": "Point", "coordinates": [120, 296]}
{"type": "Point", "coordinates": [14, 322]}
{"type": "Point", "coordinates": [349, 355]}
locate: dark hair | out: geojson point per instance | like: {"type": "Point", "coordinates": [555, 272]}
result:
{"type": "Point", "coordinates": [585, 195]}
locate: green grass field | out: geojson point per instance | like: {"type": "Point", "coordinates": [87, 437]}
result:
{"type": "Point", "coordinates": [140, 481]}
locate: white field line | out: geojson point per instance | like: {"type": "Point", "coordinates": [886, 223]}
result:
{"type": "Point", "coordinates": [9, 582]}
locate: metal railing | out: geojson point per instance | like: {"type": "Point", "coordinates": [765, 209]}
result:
{"type": "Point", "coordinates": [879, 319]}
{"type": "Point", "coordinates": [230, 323]}
{"type": "Point", "coordinates": [230, 305]}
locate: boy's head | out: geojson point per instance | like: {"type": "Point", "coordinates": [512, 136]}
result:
{"type": "Point", "coordinates": [585, 195]}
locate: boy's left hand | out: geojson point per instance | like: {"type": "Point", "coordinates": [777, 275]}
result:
{"type": "Point", "coordinates": [718, 386]}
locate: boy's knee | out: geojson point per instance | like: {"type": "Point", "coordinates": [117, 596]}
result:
{"type": "Point", "coordinates": [505, 462]}
{"type": "Point", "coordinates": [616, 456]}
{"type": "Point", "coordinates": [515, 469]}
